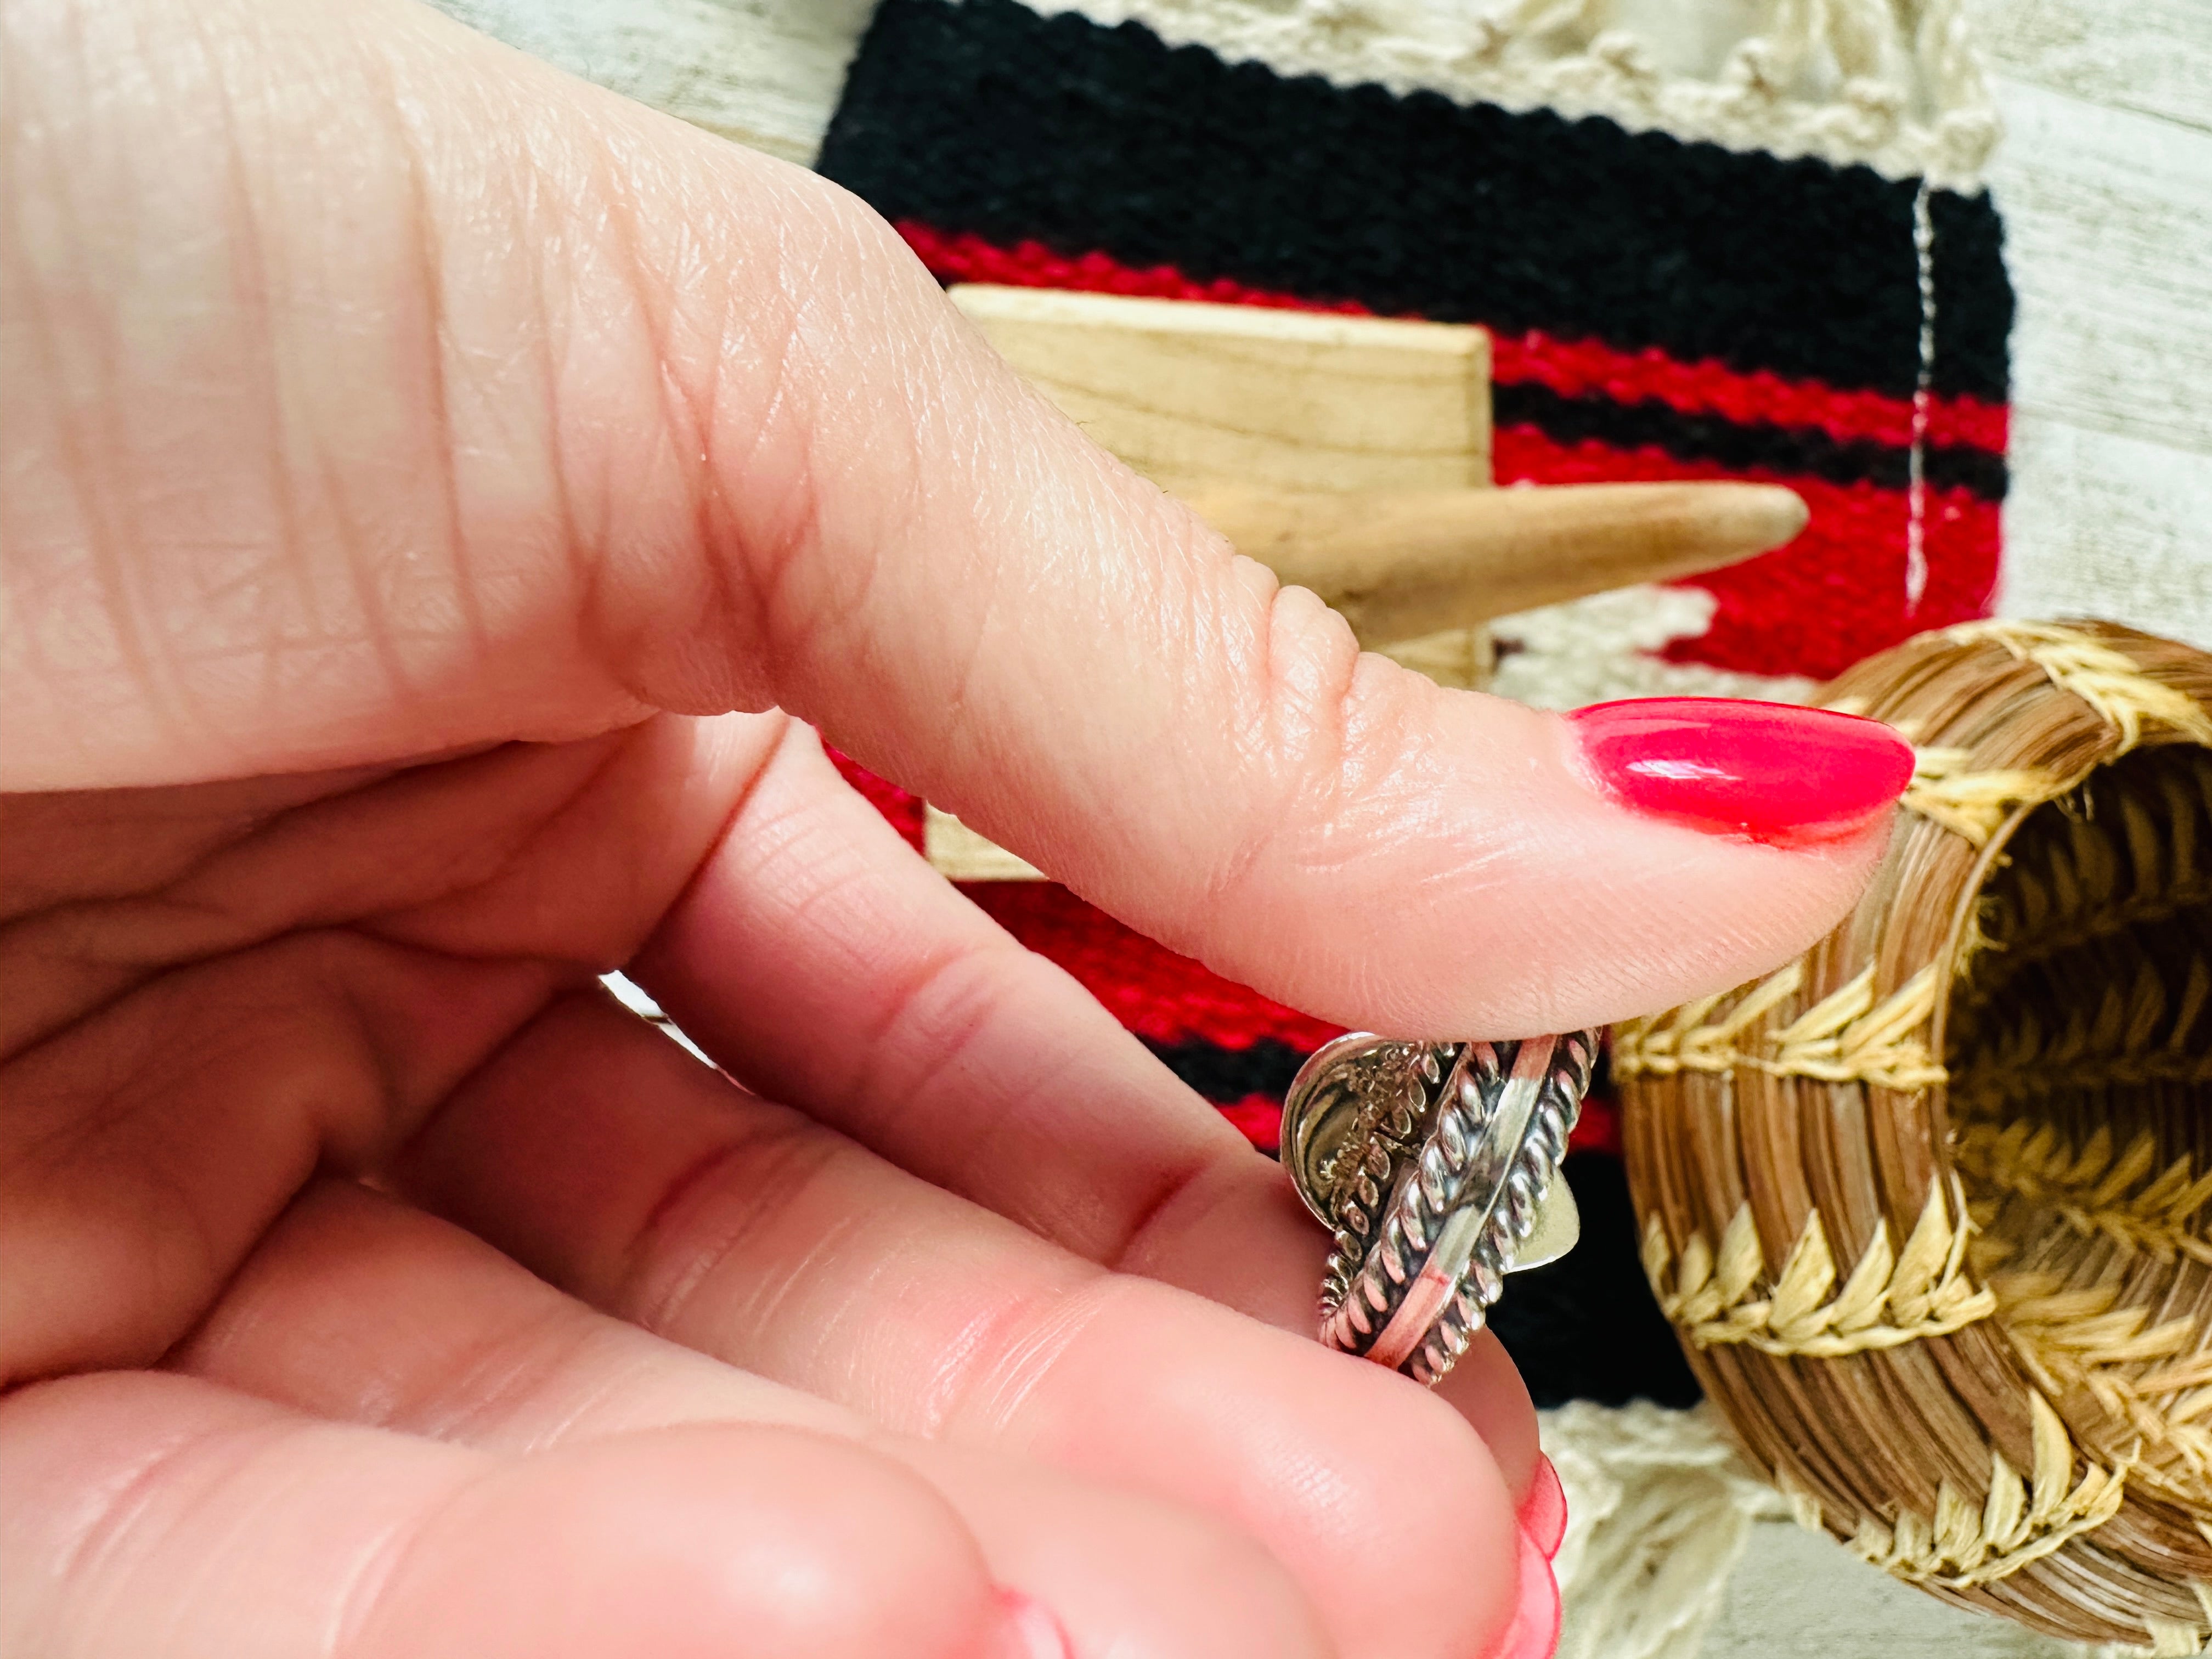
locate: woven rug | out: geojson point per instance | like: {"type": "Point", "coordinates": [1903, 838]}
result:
{"type": "Point", "coordinates": [1764, 256]}
{"type": "Point", "coordinates": [1660, 309]}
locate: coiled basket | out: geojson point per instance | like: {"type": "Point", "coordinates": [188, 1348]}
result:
{"type": "Point", "coordinates": [1931, 1208]}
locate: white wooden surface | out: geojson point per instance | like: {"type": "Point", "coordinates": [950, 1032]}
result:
{"type": "Point", "coordinates": [765, 72]}
{"type": "Point", "coordinates": [2106, 183]}
{"type": "Point", "coordinates": [2150, 57]}
{"type": "Point", "coordinates": [2108, 220]}
{"type": "Point", "coordinates": [1797, 1594]}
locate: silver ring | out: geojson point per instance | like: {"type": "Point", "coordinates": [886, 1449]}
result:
{"type": "Point", "coordinates": [1434, 1166]}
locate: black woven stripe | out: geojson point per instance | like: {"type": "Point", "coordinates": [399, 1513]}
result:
{"type": "Point", "coordinates": [1228, 1075]}
{"type": "Point", "coordinates": [1586, 1326]}
{"type": "Point", "coordinates": [986, 117]}
{"type": "Point", "coordinates": [1742, 446]}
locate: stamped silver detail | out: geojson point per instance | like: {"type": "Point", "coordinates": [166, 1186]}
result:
{"type": "Point", "coordinates": [1434, 1165]}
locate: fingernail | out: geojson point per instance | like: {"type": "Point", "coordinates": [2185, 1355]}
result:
{"type": "Point", "coordinates": [1029, 1629]}
{"type": "Point", "coordinates": [1544, 1510]}
{"type": "Point", "coordinates": [1535, 1631]}
{"type": "Point", "coordinates": [1766, 770]}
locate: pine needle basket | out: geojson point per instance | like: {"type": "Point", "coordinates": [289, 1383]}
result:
{"type": "Point", "coordinates": [1931, 1208]}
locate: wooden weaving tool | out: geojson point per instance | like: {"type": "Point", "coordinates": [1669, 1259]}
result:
{"type": "Point", "coordinates": [1351, 455]}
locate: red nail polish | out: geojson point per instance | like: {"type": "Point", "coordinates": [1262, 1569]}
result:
{"type": "Point", "coordinates": [1535, 1631]}
{"type": "Point", "coordinates": [1544, 1510]}
{"type": "Point", "coordinates": [1767, 770]}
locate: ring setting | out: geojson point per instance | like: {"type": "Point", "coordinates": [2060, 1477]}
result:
{"type": "Point", "coordinates": [1435, 1168]}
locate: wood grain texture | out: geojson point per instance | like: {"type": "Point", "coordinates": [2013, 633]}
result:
{"type": "Point", "coordinates": [958, 854]}
{"type": "Point", "coordinates": [1399, 564]}
{"type": "Point", "coordinates": [2111, 526]}
{"type": "Point", "coordinates": [1802, 1594]}
{"type": "Point", "coordinates": [2108, 221]}
{"type": "Point", "coordinates": [2106, 183]}
{"type": "Point", "coordinates": [766, 73]}
{"type": "Point", "coordinates": [1191, 394]}
{"type": "Point", "coordinates": [2150, 57]}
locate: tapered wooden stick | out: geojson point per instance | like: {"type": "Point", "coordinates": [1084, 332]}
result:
{"type": "Point", "coordinates": [1403, 563]}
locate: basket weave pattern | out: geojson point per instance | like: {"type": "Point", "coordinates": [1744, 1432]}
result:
{"type": "Point", "coordinates": [1931, 1207]}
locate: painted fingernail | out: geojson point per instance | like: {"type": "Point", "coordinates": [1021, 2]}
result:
{"type": "Point", "coordinates": [1544, 1510]}
{"type": "Point", "coordinates": [1766, 770]}
{"type": "Point", "coordinates": [1029, 1629]}
{"type": "Point", "coordinates": [1535, 1631]}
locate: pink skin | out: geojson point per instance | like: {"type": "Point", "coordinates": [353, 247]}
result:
{"type": "Point", "coordinates": [438, 493]}
{"type": "Point", "coordinates": [1033, 1630]}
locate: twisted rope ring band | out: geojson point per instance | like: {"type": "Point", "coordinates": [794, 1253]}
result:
{"type": "Point", "coordinates": [1435, 1166]}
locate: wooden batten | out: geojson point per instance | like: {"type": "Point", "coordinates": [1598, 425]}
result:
{"type": "Point", "coordinates": [1191, 394]}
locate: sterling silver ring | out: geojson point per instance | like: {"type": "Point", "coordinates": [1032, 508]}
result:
{"type": "Point", "coordinates": [1436, 1166]}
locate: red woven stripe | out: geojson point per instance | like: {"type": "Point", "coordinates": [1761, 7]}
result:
{"type": "Point", "coordinates": [1258, 1118]}
{"type": "Point", "coordinates": [1571, 368]}
{"type": "Point", "coordinates": [1598, 1129]}
{"type": "Point", "coordinates": [903, 808]}
{"type": "Point", "coordinates": [1835, 594]}
{"type": "Point", "coordinates": [966, 258]}
{"type": "Point", "coordinates": [1583, 368]}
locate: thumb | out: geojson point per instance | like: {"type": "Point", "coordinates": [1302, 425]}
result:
{"type": "Point", "coordinates": [385, 392]}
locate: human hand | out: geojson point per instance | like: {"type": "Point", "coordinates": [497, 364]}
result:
{"type": "Point", "coordinates": [411, 459]}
